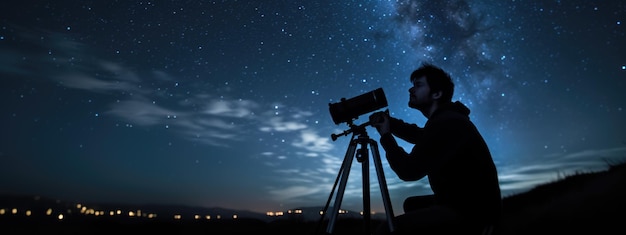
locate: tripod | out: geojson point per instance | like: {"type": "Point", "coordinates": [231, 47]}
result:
{"type": "Point", "coordinates": [362, 156]}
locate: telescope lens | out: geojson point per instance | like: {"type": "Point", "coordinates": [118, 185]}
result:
{"type": "Point", "coordinates": [348, 110]}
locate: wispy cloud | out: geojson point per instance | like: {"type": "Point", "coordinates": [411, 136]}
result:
{"type": "Point", "coordinates": [142, 98]}
{"type": "Point", "coordinates": [140, 112]}
{"type": "Point", "coordinates": [289, 193]}
{"type": "Point", "coordinates": [230, 108]}
{"type": "Point", "coordinates": [85, 82]}
{"type": "Point", "coordinates": [526, 175]}
{"type": "Point", "coordinates": [154, 98]}
{"type": "Point", "coordinates": [311, 141]}
{"type": "Point", "coordinates": [278, 124]}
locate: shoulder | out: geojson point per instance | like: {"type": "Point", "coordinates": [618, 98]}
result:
{"type": "Point", "coordinates": [447, 116]}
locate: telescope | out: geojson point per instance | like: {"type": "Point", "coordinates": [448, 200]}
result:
{"type": "Point", "coordinates": [347, 110]}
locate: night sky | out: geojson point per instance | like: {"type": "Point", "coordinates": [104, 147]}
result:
{"type": "Point", "coordinates": [226, 103]}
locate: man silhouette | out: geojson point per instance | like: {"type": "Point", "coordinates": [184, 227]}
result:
{"type": "Point", "coordinates": [451, 152]}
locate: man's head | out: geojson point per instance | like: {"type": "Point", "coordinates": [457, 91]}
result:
{"type": "Point", "coordinates": [431, 85]}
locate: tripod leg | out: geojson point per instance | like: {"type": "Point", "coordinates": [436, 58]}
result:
{"type": "Point", "coordinates": [365, 169]}
{"type": "Point", "coordinates": [344, 172]}
{"type": "Point", "coordinates": [330, 196]}
{"type": "Point", "coordinates": [383, 185]}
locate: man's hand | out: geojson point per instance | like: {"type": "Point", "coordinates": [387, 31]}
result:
{"type": "Point", "coordinates": [380, 120]}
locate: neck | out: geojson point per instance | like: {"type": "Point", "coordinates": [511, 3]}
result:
{"type": "Point", "coordinates": [428, 111]}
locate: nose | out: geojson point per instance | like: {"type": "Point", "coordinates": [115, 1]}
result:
{"type": "Point", "coordinates": [411, 89]}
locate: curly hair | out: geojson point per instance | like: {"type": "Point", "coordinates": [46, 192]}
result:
{"type": "Point", "coordinates": [437, 78]}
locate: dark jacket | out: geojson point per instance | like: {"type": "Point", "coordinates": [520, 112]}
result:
{"type": "Point", "coordinates": [454, 156]}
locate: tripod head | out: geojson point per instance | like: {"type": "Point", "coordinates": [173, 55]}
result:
{"type": "Point", "coordinates": [356, 129]}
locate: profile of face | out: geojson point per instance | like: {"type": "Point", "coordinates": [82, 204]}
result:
{"type": "Point", "coordinates": [419, 94]}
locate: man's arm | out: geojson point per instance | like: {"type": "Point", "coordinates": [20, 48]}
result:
{"type": "Point", "coordinates": [400, 161]}
{"type": "Point", "coordinates": [437, 143]}
{"type": "Point", "coordinates": [408, 132]}
{"type": "Point", "coordinates": [406, 166]}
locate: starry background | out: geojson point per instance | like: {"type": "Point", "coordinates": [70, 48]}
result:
{"type": "Point", "coordinates": [225, 103]}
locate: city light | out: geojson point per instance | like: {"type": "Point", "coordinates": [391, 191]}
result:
{"type": "Point", "coordinates": [274, 213]}
{"type": "Point", "coordinates": [72, 211]}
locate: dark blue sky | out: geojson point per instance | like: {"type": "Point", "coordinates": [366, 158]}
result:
{"type": "Point", "coordinates": [213, 103]}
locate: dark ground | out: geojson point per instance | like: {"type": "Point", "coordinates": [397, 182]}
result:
{"type": "Point", "coordinates": [585, 203]}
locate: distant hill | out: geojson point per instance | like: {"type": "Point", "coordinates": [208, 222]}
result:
{"type": "Point", "coordinates": [582, 203]}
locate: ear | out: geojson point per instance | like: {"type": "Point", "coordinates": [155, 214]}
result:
{"type": "Point", "coordinates": [436, 95]}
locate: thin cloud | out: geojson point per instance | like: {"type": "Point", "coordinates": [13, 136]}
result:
{"type": "Point", "coordinates": [292, 192]}
{"type": "Point", "coordinates": [230, 108]}
{"type": "Point", "coordinates": [140, 112]}
{"type": "Point", "coordinates": [279, 125]}
{"type": "Point", "coordinates": [311, 141]}
{"type": "Point", "coordinates": [85, 82]}
{"type": "Point", "coordinates": [197, 117]}
{"type": "Point", "coordinates": [524, 176]}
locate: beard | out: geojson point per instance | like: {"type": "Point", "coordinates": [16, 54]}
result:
{"type": "Point", "coordinates": [419, 105]}
{"type": "Point", "coordinates": [413, 105]}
